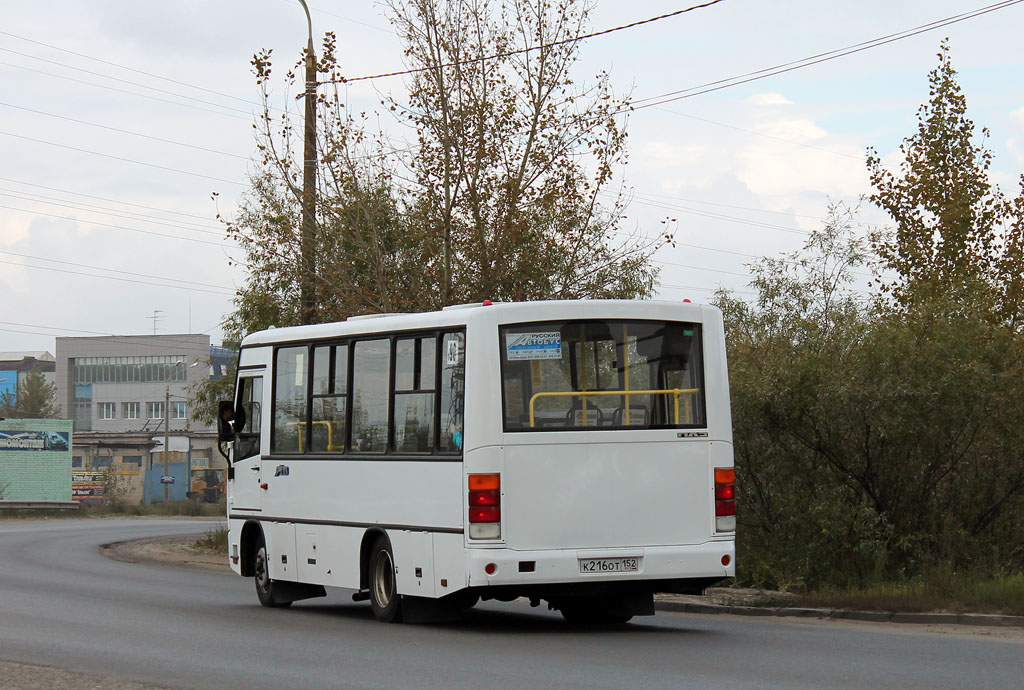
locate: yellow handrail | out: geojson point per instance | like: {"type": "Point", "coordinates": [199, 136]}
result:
{"type": "Point", "coordinates": [675, 392]}
{"type": "Point", "coordinates": [330, 432]}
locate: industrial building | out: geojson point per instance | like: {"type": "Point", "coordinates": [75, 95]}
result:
{"type": "Point", "coordinates": [127, 397]}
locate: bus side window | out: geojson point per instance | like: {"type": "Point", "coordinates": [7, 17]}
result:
{"type": "Point", "coordinates": [330, 398]}
{"type": "Point", "coordinates": [453, 387]}
{"type": "Point", "coordinates": [415, 360]}
{"type": "Point", "coordinates": [247, 441]}
{"type": "Point", "coordinates": [290, 385]}
{"type": "Point", "coordinates": [371, 362]}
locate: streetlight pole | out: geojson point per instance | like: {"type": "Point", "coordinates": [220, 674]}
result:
{"type": "Point", "coordinates": [167, 425]}
{"type": "Point", "coordinates": [308, 260]}
{"type": "Point", "coordinates": [167, 430]}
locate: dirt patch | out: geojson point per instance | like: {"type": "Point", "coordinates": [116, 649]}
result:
{"type": "Point", "coordinates": [180, 551]}
{"type": "Point", "coordinates": [32, 677]}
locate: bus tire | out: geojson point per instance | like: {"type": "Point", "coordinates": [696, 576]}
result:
{"type": "Point", "coordinates": [385, 601]}
{"type": "Point", "coordinates": [261, 575]}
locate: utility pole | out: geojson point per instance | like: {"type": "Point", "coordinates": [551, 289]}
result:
{"type": "Point", "coordinates": [308, 260]}
{"type": "Point", "coordinates": [167, 432]}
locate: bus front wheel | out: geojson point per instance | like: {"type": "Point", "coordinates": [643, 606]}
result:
{"type": "Point", "coordinates": [261, 571]}
{"type": "Point", "coordinates": [384, 598]}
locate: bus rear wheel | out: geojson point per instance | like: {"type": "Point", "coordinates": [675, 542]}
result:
{"type": "Point", "coordinates": [261, 571]}
{"type": "Point", "coordinates": [385, 601]}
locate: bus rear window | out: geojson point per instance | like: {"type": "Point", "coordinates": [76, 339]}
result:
{"type": "Point", "coordinates": [597, 374]}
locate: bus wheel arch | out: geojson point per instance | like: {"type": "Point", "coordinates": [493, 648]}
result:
{"type": "Point", "coordinates": [369, 539]}
{"type": "Point", "coordinates": [252, 534]}
{"type": "Point", "coordinates": [380, 578]}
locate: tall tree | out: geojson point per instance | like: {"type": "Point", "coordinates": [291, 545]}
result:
{"type": "Point", "coordinates": [509, 173]}
{"type": "Point", "coordinates": [513, 155]}
{"type": "Point", "coordinates": [36, 398]}
{"type": "Point", "coordinates": [955, 233]}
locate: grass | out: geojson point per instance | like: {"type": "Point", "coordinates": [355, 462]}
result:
{"type": "Point", "coordinates": [958, 594]}
{"type": "Point", "coordinates": [172, 508]}
{"type": "Point", "coordinates": [215, 539]}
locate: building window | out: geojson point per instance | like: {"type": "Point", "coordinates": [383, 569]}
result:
{"type": "Point", "coordinates": [155, 410]}
{"type": "Point", "coordinates": [130, 410]}
{"type": "Point", "coordinates": [152, 369]}
{"type": "Point", "coordinates": [178, 410]}
{"type": "Point", "coordinates": [108, 410]}
{"type": "Point", "coordinates": [76, 460]}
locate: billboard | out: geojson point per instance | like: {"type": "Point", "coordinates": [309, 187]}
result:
{"type": "Point", "coordinates": [35, 459]}
{"type": "Point", "coordinates": [88, 486]}
{"type": "Point", "coordinates": [19, 439]}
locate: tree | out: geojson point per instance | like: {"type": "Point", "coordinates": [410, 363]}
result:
{"type": "Point", "coordinates": [955, 232]}
{"type": "Point", "coordinates": [513, 155]}
{"type": "Point", "coordinates": [504, 196]}
{"type": "Point", "coordinates": [879, 440]}
{"type": "Point", "coordinates": [36, 399]}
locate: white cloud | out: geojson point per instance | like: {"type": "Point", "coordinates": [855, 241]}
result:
{"type": "Point", "coordinates": [769, 99]}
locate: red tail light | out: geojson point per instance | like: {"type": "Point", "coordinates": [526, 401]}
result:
{"type": "Point", "coordinates": [484, 498]}
{"type": "Point", "coordinates": [488, 514]}
{"type": "Point", "coordinates": [484, 506]}
{"type": "Point", "coordinates": [725, 499]}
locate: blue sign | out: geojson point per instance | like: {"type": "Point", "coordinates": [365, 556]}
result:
{"type": "Point", "coordinates": [34, 440]}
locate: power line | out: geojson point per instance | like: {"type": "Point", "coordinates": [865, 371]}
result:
{"type": "Point", "coordinates": [349, 19]}
{"type": "Point", "coordinates": [710, 214]}
{"type": "Point", "coordinates": [125, 280]}
{"type": "Point", "coordinates": [119, 227]}
{"type": "Point", "coordinates": [123, 81]}
{"type": "Point", "coordinates": [124, 131]}
{"type": "Point", "coordinates": [759, 134]}
{"type": "Point", "coordinates": [194, 227]}
{"type": "Point", "coordinates": [125, 67]}
{"type": "Point", "coordinates": [100, 198]}
{"type": "Point", "coordinates": [125, 91]}
{"type": "Point", "coordinates": [120, 158]}
{"type": "Point", "coordinates": [112, 270]}
{"type": "Point", "coordinates": [712, 203]}
{"type": "Point", "coordinates": [520, 51]}
{"type": "Point", "coordinates": [719, 84]}
{"type": "Point", "coordinates": [103, 336]}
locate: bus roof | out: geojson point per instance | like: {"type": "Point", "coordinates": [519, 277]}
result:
{"type": "Point", "coordinates": [505, 312]}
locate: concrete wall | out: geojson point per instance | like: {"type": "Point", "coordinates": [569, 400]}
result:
{"type": "Point", "coordinates": [28, 473]}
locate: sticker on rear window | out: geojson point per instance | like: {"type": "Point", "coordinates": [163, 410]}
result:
{"type": "Point", "coordinates": [533, 345]}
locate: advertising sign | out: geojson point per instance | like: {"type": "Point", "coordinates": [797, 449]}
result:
{"type": "Point", "coordinates": [88, 486]}
{"type": "Point", "coordinates": [33, 440]}
{"type": "Point", "coordinates": [545, 345]}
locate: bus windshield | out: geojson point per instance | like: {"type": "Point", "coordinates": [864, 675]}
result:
{"type": "Point", "coordinates": [602, 374]}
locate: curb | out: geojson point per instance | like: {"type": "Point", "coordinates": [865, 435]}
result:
{"type": "Point", "coordinates": [980, 619]}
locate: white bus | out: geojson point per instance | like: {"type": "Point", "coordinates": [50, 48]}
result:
{"type": "Point", "coordinates": [577, 452]}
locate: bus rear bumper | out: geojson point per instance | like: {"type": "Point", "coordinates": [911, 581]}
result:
{"type": "Point", "coordinates": [498, 567]}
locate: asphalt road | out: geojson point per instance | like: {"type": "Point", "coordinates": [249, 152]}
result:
{"type": "Point", "coordinates": [64, 604]}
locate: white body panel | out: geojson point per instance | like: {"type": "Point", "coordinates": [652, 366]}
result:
{"type": "Point", "coordinates": [565, 495]}
{"type": "Point", "coordinates": [578, 494]}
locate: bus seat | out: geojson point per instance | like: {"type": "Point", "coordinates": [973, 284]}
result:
{"type": "Point", "coordinates": [637, 415]}
{"type": "Point", "coordinates": [577, 416]}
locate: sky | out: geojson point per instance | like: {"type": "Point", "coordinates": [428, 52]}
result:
{"type": "Point", "coordinates": [119, 121]}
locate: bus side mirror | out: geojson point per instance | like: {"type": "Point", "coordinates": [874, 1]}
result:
{"type": "Point", "coordinates": [227, 421]}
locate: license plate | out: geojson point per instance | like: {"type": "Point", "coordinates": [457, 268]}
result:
{"type": "Point", "coordinates": [609, 565]}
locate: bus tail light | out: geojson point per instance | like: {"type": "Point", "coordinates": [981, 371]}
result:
{"type": "Point", "coordinates": [725, 499]}
{"type": "Point", "coordinates": [484, 506]}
